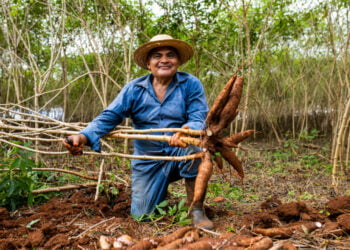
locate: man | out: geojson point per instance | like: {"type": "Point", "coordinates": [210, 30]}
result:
{"type": "Point", "coordinates": [164, 98]}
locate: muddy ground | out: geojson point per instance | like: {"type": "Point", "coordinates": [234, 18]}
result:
{"type": "Point", "coordinates": [283, 203]}
{"type": "Point", "coordinates": [78, 222]}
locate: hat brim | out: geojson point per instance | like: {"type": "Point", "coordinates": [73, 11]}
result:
{"type": "Point", "coordinates": [184, 49]}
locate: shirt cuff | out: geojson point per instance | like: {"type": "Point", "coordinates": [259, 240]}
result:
{"type": "Point", "coordinates": [92, 141]}
{"type": "Point", "coordinates": [195, 125]}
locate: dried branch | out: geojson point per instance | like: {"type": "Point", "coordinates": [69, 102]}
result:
{"type": "Point", "coordinates": [8, 135]}
{"type": "Point", "coordinates": [144, 131]}
{"type": "Point", "coordinates": [145, 157]}
{"type": "Point", "coordinates": [188, 140]}
{"type": "Point", "coordinates": [99, 179]}
{"type": "Point", "coordinates": [93, 226]}
{"type": "Point", "coordinates": [56, 170]}
{"type": "Point", "coordinates": [67, 187]}
{"type": "Point", "coordinates": [340, 142]}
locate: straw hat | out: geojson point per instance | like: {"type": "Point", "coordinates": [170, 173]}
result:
{"type": "Point", "coordinates": [184, 49]}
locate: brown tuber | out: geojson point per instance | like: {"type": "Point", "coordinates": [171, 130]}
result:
{"type": "Point", "coordinates": [189, 237]}
{"type": "Point", "coordinates": [285, 232]}
{"type": "Point", "coordinates": [262, 244]}
{"type": "Point", "coordinates": [220, 101]}
{"type": "Point", "coordinates": [232, 159]}
{"type": "Point", "coordinates": [222, 113]}
{"type": "Point", "coordinates": [205, 170]}
{"type": "Point", "coordinates": [175, 235]}
{"type": "Point", "coordinates": [202, 245]}
{"type": "Point", "coordinates": [218, 161]}
{"type": "Point", "coordinates": [145, 244]}
{"type": "Point", "coordinates": [234, 139]}
{"type": "Point", "coordinates": [229, 112]}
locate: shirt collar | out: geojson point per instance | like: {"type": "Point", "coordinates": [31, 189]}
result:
{"type": "Point", "coordinates": [146, 81]}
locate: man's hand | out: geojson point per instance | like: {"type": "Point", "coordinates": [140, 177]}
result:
{"type": "Point", "coordinates": [75, 143]}
{"type": "Point", "coordinates": [175, 140]}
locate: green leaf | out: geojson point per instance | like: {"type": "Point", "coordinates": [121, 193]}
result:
{"type": "Point", "coordinates": [12, 204]}
{"type": "Point", "coordinates": [172, 210]}
{"type": "Point", "coordinates": [29, 164]}
{"type": "Point", "coordinates": [16, 163]}
{"type": "Point", "coordinates": [51, 176]}
{"type": "Point", "coordinates": [11, 188]}
{"type": "Point", "coordinates": [184, 222]}
{"type": "Point", "coordinates": [161, 211]}
{"type": "Point", "coordinates": [30, 199]}
{"type": "Point", "coordinates": [4, 184]}
{"type": "Point", "coordinates": [137, 218]}
{"type": "Point", "coordinates": [231, 229]}
{"type": "Point", "coordinates": [30, 224]}
{"type": "Point", "coordinates": [163, 204]}
{"type": "Point", "coordinates": [183, 216]}
{"type": "Point", "coordinates": [23, 166]}
{"type": "Point", "coordinates": [181, 204]}
{"type": "Point", "coordinates": [114, 191]}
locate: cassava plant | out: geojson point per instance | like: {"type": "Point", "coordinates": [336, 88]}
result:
{"type": "Point", "coordinates": [223, 111]}
{"type": "Point", "coordinates": [177, 213]}
{"type": "Point", "coordinates": [16, 185]}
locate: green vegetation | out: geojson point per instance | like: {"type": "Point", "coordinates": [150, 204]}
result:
{"type": "Point", "coordinates": [16, 186]}
{"type": "Point", "coordinates": [293, 54]}
{"type": "Point", "coordinates": [277, 41]}
{"type": "Point", "coordinates": [177, 213]}
{"type": "Point", "coordinates": [18, 179]}
{"type": "Point", "coordinates": [225, 190]}
{"type": "Point", "coordinates": [291, 163]}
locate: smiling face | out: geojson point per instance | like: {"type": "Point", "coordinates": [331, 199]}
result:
{"type": "Point", "coordinates": [163, 62]}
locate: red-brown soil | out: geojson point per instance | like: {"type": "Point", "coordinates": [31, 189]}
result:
{"type": "Point", "coordinates": [79, 222]}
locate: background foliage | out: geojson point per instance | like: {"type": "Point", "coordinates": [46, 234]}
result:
{"type": "Point", "coordinates": [71, 58]}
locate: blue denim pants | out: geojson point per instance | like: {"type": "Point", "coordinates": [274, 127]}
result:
{"type": "Point", "coordinates": [150, 179]}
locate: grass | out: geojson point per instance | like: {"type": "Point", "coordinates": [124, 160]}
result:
{"type": "Point", "coordinates": [290, 172]}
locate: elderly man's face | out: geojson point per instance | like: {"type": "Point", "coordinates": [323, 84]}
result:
{"type": "Point", "coordinates": [163, 62]}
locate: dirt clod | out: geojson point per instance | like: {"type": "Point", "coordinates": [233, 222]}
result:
{"type": "Point", "coordinates": [344, 222]}
{"type": "Point", "coordinates": [4, 214]}
{"type": "Point", "coordinates": [262, 220]}
{"type": "Point", "coordinates": [57, 241]}
{"type": "Point", "coordinates": [36, 238]}
{"type": "Point", "coordinates": [332, 229]}
{"type": "Point", "coordinates": [61, 220]}
{"type": "Point", "coordinates": [339, 205]}
{"type": "Point", "coordinates": [271, 203]}
{"type": "Point", "coordinates": [288, 246]}
{"type": "Point", "coordinates": [291, 210]}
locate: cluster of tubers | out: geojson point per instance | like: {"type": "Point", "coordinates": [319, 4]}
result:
{"type": "Point", "coordinates": [223, 111]}
{"type": "Point", "coordinates": [189, 238]}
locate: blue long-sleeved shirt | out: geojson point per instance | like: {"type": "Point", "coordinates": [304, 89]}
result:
{"type": "Point", "coordinates": [184, 104]}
